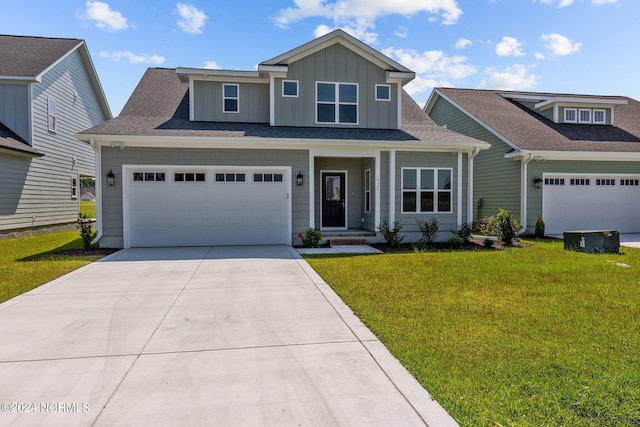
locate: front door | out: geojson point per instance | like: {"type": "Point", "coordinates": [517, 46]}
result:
{"type": "Point", "coordinates": [333, 200]}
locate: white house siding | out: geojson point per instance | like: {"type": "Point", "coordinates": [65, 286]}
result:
{"type": "Point", "coordinates": [114, 158]}
{"type": "Point", "coordinates": [45, 196]}
{"type": "Point", "coordinates": [336, 63]}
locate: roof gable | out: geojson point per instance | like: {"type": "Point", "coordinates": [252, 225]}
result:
{"type": "Point", "coordinates": [27, 58]}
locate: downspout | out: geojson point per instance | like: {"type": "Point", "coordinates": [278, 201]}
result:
{"type": "Point", "coordinates": [98, 163]}
{"type": "Point", "coordinates": [524, 172]}
{"type": "Point", "coordinates": [472, 156]}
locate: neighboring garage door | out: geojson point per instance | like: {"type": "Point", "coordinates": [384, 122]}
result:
{"type": "Point", "coordinates": [202, 206]}
{"type": "Point", "coordinates": [591, 202]}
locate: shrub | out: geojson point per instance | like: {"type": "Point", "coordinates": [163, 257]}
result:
{"type": "Point", "coordinates": [488, 226]}
{"type": "Point", "coordinates": [507, 226]}
{"type": "Point", "coordinates": [429, 229]}
{"type": "Point", "coordinates": [86, 230]}
{"type": "Point", "coordinates": [311, 237]}
{"type": "Point", "coordinates": [392, 234]}
{"type": "Point", "coordinates": [488, 243]}
{"type": "Point", "coordinates": [464, 231]}
{"type": "Point", "coordinates": [455, 241]}
{"type": "Point", "coordinates": [539, 230]}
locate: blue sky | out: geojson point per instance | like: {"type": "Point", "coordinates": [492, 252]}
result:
{"type": "Point", "coordinates": [569, 46]}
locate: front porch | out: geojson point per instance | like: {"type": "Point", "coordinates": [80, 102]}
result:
{"type": "Point", "coordinates": [349, 237]}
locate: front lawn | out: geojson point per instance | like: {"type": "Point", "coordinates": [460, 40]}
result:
{"type": "Point", "coordinates": [88, 209]}
{"type": "Point", "coordinates": [522, 337]}
{"type": "Point", "coordinates": [29, 262]}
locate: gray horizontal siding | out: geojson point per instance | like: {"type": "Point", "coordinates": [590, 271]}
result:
{"type": "Point", "coordinates": [14, 108]}
{"type": "Point", "coordinates": [113, 159]}
{"type": "Point", "coordinates": [335, 63]}
{"type": "Point", "coordinates": [40, 188]}
{"type": "Point", "coordinates": [253, 103]}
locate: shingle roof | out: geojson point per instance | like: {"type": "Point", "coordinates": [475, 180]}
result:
{"type": "Point", "coordinates": [24, 56]}
{"type": "Point", "coordinates": [531, 131]}
{"type": "Point", "coordinates": [10, 141]}
{"type": "Point", "coordinates": [159, 106]}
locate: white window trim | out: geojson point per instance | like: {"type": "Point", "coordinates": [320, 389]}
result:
{"type": "Point", "coordinates": [337, 103]}
{"type": "Point", "coordinates": [580, 111]}
{"type": "Point", "coordinates": [417, 191]}
{"type": "Point", "coordinates": [604, 116]}
{"type": "Point", "coordinates": [383, 99]}
{"type": "Point", "coordinates": [51, 115]}
{"type": "Point", "coordinates": [367, 190]}
{"type": "Point", "coordinates": [237, 98]}
{"type": "Point", "coordinates": [75, 186]}
{"type": "Point", "coordinates": [575, 112]}
{"type": "Point", "coordinates": [297, 88]}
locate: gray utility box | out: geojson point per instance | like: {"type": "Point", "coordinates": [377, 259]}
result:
{"type": "Point", "coordinates": [592, 241]}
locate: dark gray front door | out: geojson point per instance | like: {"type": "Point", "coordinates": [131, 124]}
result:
{"type": "Point", "coordinates": [333, 200]}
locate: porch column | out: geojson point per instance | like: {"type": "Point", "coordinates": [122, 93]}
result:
{"type": "Point", "coordinates": [376, 215]}
{"type": "Point", "coordinates": [311, 182]}
{"type": "Point", "coordinates": [459, 188]}
{"type": "Point", "coordinates": [392, 186]}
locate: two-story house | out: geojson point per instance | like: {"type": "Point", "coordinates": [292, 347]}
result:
{"type": "Point", "coordinates": [574, 160]}
{"type": "Point", "coordinates": [322, 136]}
{"type": "Point", "coordinates": [49, 91]}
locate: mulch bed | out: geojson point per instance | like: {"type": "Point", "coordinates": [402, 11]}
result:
{"type": "Point", "coordinates": [471, 245]}
{"type": "Point", "coordinates": [88, 252]}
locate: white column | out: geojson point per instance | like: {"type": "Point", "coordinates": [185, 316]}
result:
{"type": "Point", "coordinates": [311, 182]}
{"type": "Point", "coordinates": [392, 186]}
{"type": "Point", "coordinates": [376, 220]}
{"type": "Point", "coordinates": [459, 188]}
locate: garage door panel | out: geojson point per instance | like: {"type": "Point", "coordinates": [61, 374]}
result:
{"type": "Point", "coordinates": [171, 213]}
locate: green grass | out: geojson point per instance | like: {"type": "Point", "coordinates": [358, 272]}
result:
{"type": "Point", "coordinates": [88, 209]}
{"type": "Point", "coordinates": [29, 262]}
{"type": "Point", "coordinates": [533, 336]}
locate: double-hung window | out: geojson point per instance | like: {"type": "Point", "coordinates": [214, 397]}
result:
{"type": "Point", "coordinates": [570, 115]}
{"type": "Point", "coordinates": [231, 98]}
{"type": "Point", "coordinates": [337, 103]}
{"type": "Point", "coordinates": [51, 114]}
{"type": "Point", "coordinates": [426, 190]}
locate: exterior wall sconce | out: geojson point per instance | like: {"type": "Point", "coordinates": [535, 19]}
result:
{"type": "Point", "coordinates": [537, 181]}
{"type": "Point", "coordinates": [111, 179]}
{"type": "Point", "coordinates": [299, 179]}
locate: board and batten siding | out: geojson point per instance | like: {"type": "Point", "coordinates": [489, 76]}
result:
{"type": "Point", "coordinates": [339, 64]}
{"type": "Point", "coordinates": [14, 108]}
{"type": "Point", "coordinates": [495, 179]}
{"type": "Point", "coordinates": [40, 193]}
{"type": "Point", "coordinates": [253, 102]}
{"type": "Point", "coordinates": [114, 158]}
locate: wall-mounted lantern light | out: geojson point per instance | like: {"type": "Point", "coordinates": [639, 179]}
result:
{"type": "Point", "coordinates": [537, 181]}
{"type": "Point", "coordinates": [299, 179]}
{"type": "Point", "coordinates": [111, 178]}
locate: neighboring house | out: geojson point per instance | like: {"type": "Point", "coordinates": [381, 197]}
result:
{"type": "Point", "coordinates": [321, 136]}
{"type": "Point", "coordinates": [87, 196]}
{"type": "Point", "coordinates": [572, 159]}
{"type": "Point", "coordinates": [49, 91]}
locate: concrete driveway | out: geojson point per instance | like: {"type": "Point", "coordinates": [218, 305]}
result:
{"type": "Point", "coordinates": [223, 336]}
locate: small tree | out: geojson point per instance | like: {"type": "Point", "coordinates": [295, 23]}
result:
{"type": "Point", "coordinates": [429, 229]}
{"type": "Point", "coordinates": [86, 230]}
{"type": "Point", "coordinates": [507, 226]}
{"type": "Point", "coordinates": [539, 230]}
{"type": "Point", "coordinates": [392, 234]}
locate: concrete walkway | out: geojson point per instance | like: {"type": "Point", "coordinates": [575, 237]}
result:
{"type": "Point", "coordinates": [226, 336]}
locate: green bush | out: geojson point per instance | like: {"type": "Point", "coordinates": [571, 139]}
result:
{"type": "Point", "coordinates": [392, 234]}
{"type": "Point", "coordinates": [429, 230]}
{"type": "Point", "coordinates": [508, 226]}
{"type": "Point", "coordinates": [488, 226]}
{"type": "Point", "coordinates": [455, 241]}
{"type": "Point", "coordinates": [86, 230]}
{"type": "Point", "coordinates": [465, 231]}
{"type": "Point", "coordinates": [311, 237]}
{"type": "Point", "coordinates": [539, 230]}
{"type": "Point", "coordinates": [488, 243]}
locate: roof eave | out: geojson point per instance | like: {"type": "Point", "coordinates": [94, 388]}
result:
{"type": "Point", "coordinates": [601, 156]}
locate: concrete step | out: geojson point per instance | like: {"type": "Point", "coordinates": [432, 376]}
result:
{"type": "Point", "coordinates": [347, 241]}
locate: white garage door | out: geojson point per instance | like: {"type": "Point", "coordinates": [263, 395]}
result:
{"type": "Point", "coordinates": [188, 206]}
{"type": "Point", "coordinates": [591, 202]}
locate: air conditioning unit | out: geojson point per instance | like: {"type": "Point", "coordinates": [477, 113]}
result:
{"type": "Point", "coordinates": [592, 241]}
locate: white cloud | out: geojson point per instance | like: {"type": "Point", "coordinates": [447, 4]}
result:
{"type": "Point", "coordinates": [433, 64]}
{"type": "Point", "coordinates": [213, 65]}
{"type": "Point", "coordinates": [516, 77]}
{"type": "Point", "coordinates": [561, 3]}
{"type": "Point", "coordinates": [345, 12]}
{"type": "Point", "coordinates": [604, 1]}
{"type": "Point", "coordinates": [103, 17]}
{"type": "Point", "coordinates": [463, 43]}
{"type": "Point", "coordinates": [132, 57]}
{"type": "Point", "coordinates": [402, 32]}
{"type": "Point", "coordinates": [560, 45]}
{"type": "Point", "coordinates": [539, 55]}
{"type": "Point", "coordinates": [191, 20]}
{"type": "Point", "coordinates": [358, 29]}
{"type": "Point", "coordinates": [509, 46]}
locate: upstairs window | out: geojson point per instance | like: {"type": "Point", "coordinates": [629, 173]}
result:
{"type": "Point", "coordinates": [51, 114]}
{"type": "Point", "coordinates": [570, 115]}
{"type": "Point", "coordinates": [383, 93]}
{"type": "Point", "coordinates": [585, 115]}
{"type": "Point", "coordinates": [290, 88]}
{"type": "Point", "coordinates": [599, 116]}
{"type": "Point", "coordinates": [337, 103]}
{"type": "Point", "coordinates": [231, 97]}
{"type": "Point", "coordinates": [74, 186]}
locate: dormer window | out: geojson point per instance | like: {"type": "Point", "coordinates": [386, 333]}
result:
{"type": "Point", "coordinates": [599, 116]}
{"type": "Point", "coordinates": [585, 115]}
{"type": "Point", "coordinates": [337, 103]}
{"type": "Point", "coordinates": [570, 115]}
{"type": "Point", "coordinates": [231, 98]}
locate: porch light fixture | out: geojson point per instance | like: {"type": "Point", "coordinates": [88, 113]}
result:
{"type": "Point", "coordinates": [111, 178]}
{"type": "Point", "coordinates": [537, 181]}
{"type": "Point", "coordinates": [299, 179]}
